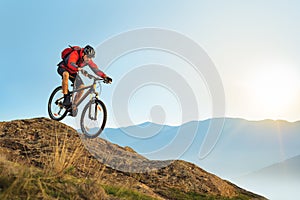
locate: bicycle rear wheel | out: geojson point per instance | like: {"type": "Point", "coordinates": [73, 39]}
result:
{"type": "Point", "coordinates": [56, 110]}
{"type": "Point", "coordinates": [93, 118]}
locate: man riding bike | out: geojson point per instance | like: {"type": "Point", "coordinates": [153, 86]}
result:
{"type": "Point", "coordinates": [69, 68]}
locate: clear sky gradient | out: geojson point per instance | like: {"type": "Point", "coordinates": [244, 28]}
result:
{"type": "Point", "coordinates": [254, 45]}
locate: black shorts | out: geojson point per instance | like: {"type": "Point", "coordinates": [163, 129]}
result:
{"type": "Point", "coordinates": [76, 80]}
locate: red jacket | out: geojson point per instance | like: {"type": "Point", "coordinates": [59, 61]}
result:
{"type": "Point", "coordinates": [75, 60]}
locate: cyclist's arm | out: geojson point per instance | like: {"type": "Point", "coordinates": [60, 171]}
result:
{"type": "Point", "coordinates": [72, 61]}
{"type": "Point", "coordinates": [96, 70]}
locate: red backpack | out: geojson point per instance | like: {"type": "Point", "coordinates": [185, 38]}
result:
{"type": "Point", "coordinates": [67, 51]}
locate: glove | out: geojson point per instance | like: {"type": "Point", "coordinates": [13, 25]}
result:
{"type": "Point", "coordinates": [107, 80]}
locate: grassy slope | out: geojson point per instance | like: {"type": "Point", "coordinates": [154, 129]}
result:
{"type": "Point", "coordinates": [22, 182]}
{"type": "Point", "coordinates": [43, 159]}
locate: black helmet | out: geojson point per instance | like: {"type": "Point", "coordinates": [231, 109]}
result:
{"type": "Point", "coordinates": [89, 51]}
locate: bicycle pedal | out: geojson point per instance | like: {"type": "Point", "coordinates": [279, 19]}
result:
{"type": "Point", "coordinates": [60, 104]}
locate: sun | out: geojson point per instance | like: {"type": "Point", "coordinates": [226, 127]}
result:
{"type": "Point", "coordinates": [274, 90]}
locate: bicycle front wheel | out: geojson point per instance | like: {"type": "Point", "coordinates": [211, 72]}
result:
{"type": "Point", "coordinates": [93, 119]}
{"type": "Point", "coordinates": [56, 110]}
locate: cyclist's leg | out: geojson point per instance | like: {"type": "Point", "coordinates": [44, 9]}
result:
{"type": "Point", "coordinates": [65, 82]}
{"type": "Point", "coordinates": [78, 85]}
{"type": "Point", "coordinates": [65, 78]}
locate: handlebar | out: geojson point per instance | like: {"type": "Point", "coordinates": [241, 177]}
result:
{"type": "Point", "coordinates": [90, 76]}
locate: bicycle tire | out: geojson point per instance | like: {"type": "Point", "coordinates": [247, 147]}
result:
{"type": "Point", "coordinates": [84, 116]}
{"type": "Point", "coordinates": [51, 112]}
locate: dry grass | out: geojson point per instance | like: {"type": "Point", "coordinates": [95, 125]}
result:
{"type": "Point", "coordinates": [58, 177]}
{"type": "Point", "coordinates": [65, 155]}
{"type": "Point", "coordinates": [54, 180]}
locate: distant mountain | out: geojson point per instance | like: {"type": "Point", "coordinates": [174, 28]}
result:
{"type": "Point", "coordinates": [243, 146]}
{"type": "Point", "coordinates": [287, 170]}
{"type": "Point", "coordinates": [45, 159]}
{"type": "Point", "coordinates": [278, 181]}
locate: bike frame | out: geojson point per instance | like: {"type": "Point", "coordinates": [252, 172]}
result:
{"type": "Point", "coordinates": [92, 89]}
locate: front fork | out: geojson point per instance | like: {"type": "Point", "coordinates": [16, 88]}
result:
{"type": "Point", "coordinates": [94, 101]}
{"type": "Point", "coordinates": [93, 106]}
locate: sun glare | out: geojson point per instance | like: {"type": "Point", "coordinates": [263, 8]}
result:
{"type": "Point", "coordinates": [274, 90]}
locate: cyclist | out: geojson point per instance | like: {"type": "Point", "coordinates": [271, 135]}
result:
{"type": "Point", "coordinates": [69, 68]}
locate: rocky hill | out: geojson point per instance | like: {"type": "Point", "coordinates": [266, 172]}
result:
{"type": "Point", "coordinates": [44, 159]}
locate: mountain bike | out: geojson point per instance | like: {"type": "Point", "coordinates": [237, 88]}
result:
{"type": "Point", "coordinates": [94, 114]}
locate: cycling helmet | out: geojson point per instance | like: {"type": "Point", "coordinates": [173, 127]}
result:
{"type": "Point", "coordinates": [89, 51]}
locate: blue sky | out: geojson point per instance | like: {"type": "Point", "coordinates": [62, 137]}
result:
{"type": "Point", "coordinates": [254, 45]}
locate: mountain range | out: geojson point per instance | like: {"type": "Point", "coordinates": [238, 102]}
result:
{"type": "Point", "coordinates": [252, 144]}
{"type": "Point", "coordinates": [243, 148]}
